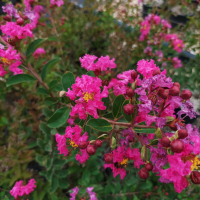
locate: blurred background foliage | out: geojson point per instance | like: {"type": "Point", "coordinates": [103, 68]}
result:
{"type": "Point", "coordinates": [27, 149]}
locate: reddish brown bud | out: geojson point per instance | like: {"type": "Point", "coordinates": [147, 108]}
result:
{"type": "Point", "coordinates": [105, 82]}
{"type": "Point", "coordinates": [130, 92]}
{"type": "Point", "coordinates": [129, 109]}
{"type": "Point", "coordinates": [3, 22]}
{"type": "Point", "coordinates": [7, 18]}
{"type": "Point", "coordinates": [165, 142]}
{"type": "Point", "coordinates": [163, 93]}
{"type": "Point", "coordinates": [182, 133]}
{"type": "Point", "coordinates": [11, 41]}
{"type": "Point", "coordinates": [97, 72]}
{"type": "Point", "coordinates": [20, 21]}
{"type": "Point", "coordinates": [195, 177]}
{"type": "Point", "coordinates": [25, 17]}
{"type": "Point", "coordinates": [152, 98]}
{"type": "Point", "coordinates": [186, 94]}
{"type": "Point", "coordinates": [177, 146]}
{"type": "Point", "coordinates": [143, 173]}
{"type": "Point", "coordinates": [91, 149]}
{"type": "Point", "coordinates": [156, 187]}
{"type": "Point", "coordinates": [134, 74]}
{"type": "Point", "coordinates": [166, 193]}
{"type": "Point", "coordinates": [156, 72]}
{"type": "Point", "coordinates": [98, 143]}
{"type": "Point", "coordinates": [108, 158]}
{"type": "Point", "coordinates": [174, 91]}
{"type": "Point", "coordinates": [149, 167]}
{"type": "Point", "coordinates": [177, 84]}
{"type": "Point", "coordinates": [83, 145]}
{"type": "Point", "coordinates": [172, 125]}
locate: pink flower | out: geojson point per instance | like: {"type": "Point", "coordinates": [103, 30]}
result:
{"type": "Point", "coordinates": [103, 63]}
{"type": "Point", "coordinates": [10, 10]}
{"type": "Point", "coordinates": [165, 24]}
{"type": "Point", "coordinates": [148, 50]}
{"type": "Point", "coordinates": [177, 172]}
{"type": "Point", "coordinates": [19, 189]}
{"type": "Point", "coordinates": [178, 45]}
{"type": "Point", "coordinates": [122, 85]}
{"type": "Point", "coordinates": [145, 28]}
{"type": "Point", "coordinates": [89, 190]}
{"type": "Point", "coordinates": [171, 37]}
{"type": "Point", "coordinates": [150, 136]}
{"type": "Point", "coordinates": [87, 90]}
{"type": "Point", "coordinates": [112, 83]}
{"type": "Point", "coordinates": [146, 68]}
{"type": "Point", "coordinates": [38, 52]}
{"type": "Point", "coordinates": [10, 59]}
{"type": "Point", "coordinates": [27, 4]}
{"type": "Point", "coordinates": [176, 62]}
{"type": "Point", "coordinates": [57, 2]}
{"type": "Point", "coordinates": [30, 14]}
{"type": "Point", "coordinates": [72, 138]}
{"type": "Point", "coordinates": [16, 31]}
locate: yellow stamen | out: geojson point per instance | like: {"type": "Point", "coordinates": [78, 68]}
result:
{"type": "Point", "coordinates": [124, 162]}
{"type": "Point", "coordinates": [88, 96]}
{"type": "Point", "coordinates": [73, 144]}
{"type": "Point", "coordinates": [6, 61]}
{"type": "Point", "coordinates": [196, 163]}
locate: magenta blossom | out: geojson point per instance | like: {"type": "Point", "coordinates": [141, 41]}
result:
{"type": "Point", "coordinates": [10, 10]}
{"type": "Point", "coordinates": [57, 2]}
{"type": "Point", "coordinates": [19, 189]}
{"type": "Point", "coordinates": [72, 138]}
{"type": "Point", "coordinates": [87, 90]}
{"type": "Point", "coordinates": [38, 52]}
{"type": "Point", "coordinates": [103, 63]}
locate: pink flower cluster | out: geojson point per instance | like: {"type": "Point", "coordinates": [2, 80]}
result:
{"type": "Point", "coordinates": [57, 2]}
{"type": "Point", "coordinates": [72, 138]}
{"type": "Point", "coordinates": [103, 63]}
{"type": "Point", "coordinates": [89, 191]}
{"type": "Point", "coordinates": [19, 189]}
{"type": "Point", "coordinates": [121, 156]}
{"type": "Point", "coordinates": [88, 96]}
{"type": "Point", "coordinates": [11, 59]}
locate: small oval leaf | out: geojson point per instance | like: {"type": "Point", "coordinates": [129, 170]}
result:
{"type": "Point", "coordinates": [117, 106]}
{"type": "Point", "coordinates": [99, 125]}
{"type": "Point", "coordinates": [19, 79]}
{"type": "Point", "coordinates": [67, 80]}
{"type": "Point", "coordinates": [59, 117]}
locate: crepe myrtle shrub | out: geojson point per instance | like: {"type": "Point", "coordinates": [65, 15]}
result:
{"type": "Point", "coordinates": [132, 108]}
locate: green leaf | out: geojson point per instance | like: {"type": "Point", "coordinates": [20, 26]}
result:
{"type": "Point", "coordinates": [49, 163]}
{"type": "Point", "coordinates": [6, 198]}
{"type": "Point", "coordinates": [54, 184]}
{"type": "Point", "coordinates": [143, 152]}
{"type": "Point", "coordinates": [32, 144]}
{"type": "Point", "coordinates": [40, 143]}
{"type": "Point", "coordinates": [50, 174]}
{"type": "Point", "coordinates": [32, 47]}
{"type": "Point", "coordinates": [59, 117]}
{"type": "Point", "coordinates": [47, 112]}
{"type": "Point", "coordinates": [99, 125]}
{"type": "Point", "coordinates": [49, 101]}
{"type": "Point", "coordinates": [158, 133]}
{"type": "Point", "coordinates": [47, 68]}
{"type": "Point", "coordinates": [129, 118]}
{"type": "Point", "coordinates": [42, 91]}
{"type": "Point", "coordinates": [154, 142]}
{"type": "Point", "coordinates": [67, 80]}
{"type": "Point", "coordinates": [19, 78]}
{"type": "Point", "coordinates": [91, 73]}
{"type": "Point", "coordinates": [148, 186]}
{"type": "Point", "coordinates": [144, 130]}
{"type": "Point", "coordinates": [117, 106]}
{"type": "Point", "coordinates": [45, 129]}
{"type": "Point", "coordinates": [63, 184]}
{"type": "Point", "coordinates": [61, 173]}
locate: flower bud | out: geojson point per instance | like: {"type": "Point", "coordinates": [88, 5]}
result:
{"type": "Point", "coordinates": [20, 21]}
{"type": "Point", "coordinates": [3, 22]}
{"type": "Point", "coordinates": [108, 158]}
{"type": "Point", "coordinates": [130, 92]}
{"type": "Point", "coordinates": [7, 18]}
{"type": "Point", "coordinates": [97, 72]}
{"type": "Point", "coordinates": [174, 91]}
{"type": "Point", "coordinates": [166, 193]}
{"type": "Point", "coordinates": [177, 146]}
{"type": "Point", "coordinates": [156, 72]}
{"type": "Point", "coordinates": [61, 93]}
{"type": "Point", "coordinates": [134, 74]}
{"type": "Point", "coordinates": [11, 41]}
{"type": "Point", "coordinates": [152, 98]}
{"type": "Point", "coordinates": [83, 145]}
{"type": "Point", "coordinates": [149, 167]}
{"type": "Point", "coordinates": [143, 173]}
{"type": "Point", "coordinates": [182, 133]}
{"type": "Point", "coordinates": [105, 82]}
{"type": "Point", "coordinates": [98, 143]}
{"type": "Point", "coordinates": [177, 84]}
{"type": "Point", "coordinates": [25, 17]}
{"type": "Point", "coordinates": [91, 149]}
{"type": "Point", "coordinates": [195, 177]}
{"type": "Point", "coordinates": [129, 109]}
{"type": "Point", "coordinates": [165, 142]}
{"type": "Point", "coordinates": [163, 93]}
{"type": "Point", "coordinates": [186, 94]}
{"type": "Point", "coordinates": [172, 125]}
